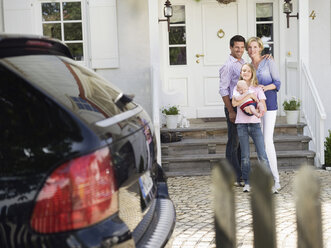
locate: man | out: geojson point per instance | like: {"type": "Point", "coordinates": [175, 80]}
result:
{"type": "Point", "coordinates": [229, 76]}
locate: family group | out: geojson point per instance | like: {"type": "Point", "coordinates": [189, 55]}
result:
{"type": "Point", "coordinates": [249, 92]}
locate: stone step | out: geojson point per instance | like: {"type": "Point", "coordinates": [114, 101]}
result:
{"type": "Point", "coordinates": [205, 140]}
{"type": "Point", "coordinates": [218, 145]}
{"type": "Point", "coordinates": [219, 129]}
{"type": "Point", "coordinates": [197, 164]}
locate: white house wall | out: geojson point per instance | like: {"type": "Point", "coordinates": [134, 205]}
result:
{"type": "Point", "coordinates": [289, 54]}
{"type": "Point", "coordinates": [290, 34]}
{"type": "Point", "coordinates": [320, 52]}
{"type": "Point", "coordinates": [1, 16]}
{"type": "Point", "coordinates": [133, 75]}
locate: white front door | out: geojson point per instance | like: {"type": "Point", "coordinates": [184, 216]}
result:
{"type": "Point", "coordinates": [194, 50]}
{"type": "Point", "coordinates": [196, 47]}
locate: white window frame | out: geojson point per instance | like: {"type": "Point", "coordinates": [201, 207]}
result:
{"type": "Point", "coordinates": [178, 45]}
{"type": "Point", "coordinates": [40, 22]}
{"type": "Point", "coordinates": [267, 22]}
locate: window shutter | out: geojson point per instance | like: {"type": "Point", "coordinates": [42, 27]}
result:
{"type": "Point", "coordinates": [18, 16]}
{"type": "Point", "coordinates": [103, 34]}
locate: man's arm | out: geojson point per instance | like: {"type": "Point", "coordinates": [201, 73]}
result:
{"type": "Point", "coordinates": [267, 56]}
{"type": "Point", "coordinates": [228, 105]}
{"type": "Point", "coordinates": [225, 79]}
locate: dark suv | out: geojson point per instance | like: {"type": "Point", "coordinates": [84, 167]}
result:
{"type": "Point", "coordinates": [77, 156]}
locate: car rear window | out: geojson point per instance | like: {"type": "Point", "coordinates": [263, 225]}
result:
{"type": "Point", "coordinates": [35, 133]}
{"type": "Point", "coordinates": [81, 90]}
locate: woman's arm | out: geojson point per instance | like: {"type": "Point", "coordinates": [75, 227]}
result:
{"type": "Point", "coordinates": [275, 85]}
{"type": "Point", "coordinates": [268, 87]}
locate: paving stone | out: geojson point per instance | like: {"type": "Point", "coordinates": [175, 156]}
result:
{"type": "Point", "coordinates": [192, 197]}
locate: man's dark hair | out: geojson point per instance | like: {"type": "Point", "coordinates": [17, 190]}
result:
{"type": "Point", "coordinates": [236, 38]}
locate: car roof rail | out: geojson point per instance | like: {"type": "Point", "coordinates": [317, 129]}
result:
{"type": "Point", "coordinates": [19, 45]}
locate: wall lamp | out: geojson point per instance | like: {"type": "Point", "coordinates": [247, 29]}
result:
{"type": "Point", "coordinates": [167, 12]}
{"type": "Point", "coordinates": [287, 9]}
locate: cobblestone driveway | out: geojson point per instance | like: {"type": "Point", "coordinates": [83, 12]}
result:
{"type": "Point", "coordinates": [195, 223]}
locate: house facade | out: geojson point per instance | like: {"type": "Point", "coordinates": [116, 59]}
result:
{"type": "Point", "coordinates": [125, 43]}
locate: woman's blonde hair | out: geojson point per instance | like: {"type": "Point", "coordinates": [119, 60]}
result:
{"type": "Point", "coordinates": [254, 81]}
{"type": "Point", "coordinates": [256, 39]}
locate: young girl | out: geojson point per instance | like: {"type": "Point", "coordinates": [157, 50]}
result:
{"type": "Point", "coordinates": [249, 125]}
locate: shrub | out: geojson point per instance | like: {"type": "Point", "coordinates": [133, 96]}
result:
{"type": "Point", "coordinates": [292, 104]}
{"type": "Point", "coordinates": [171, 110]}
{"type": "Point", "coordinates": [327, 149]}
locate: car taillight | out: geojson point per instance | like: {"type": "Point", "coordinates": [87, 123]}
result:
{"type": "Point", "coordinates": [77, 194]}
{"type": "Point", "coordinates": [38, 43]}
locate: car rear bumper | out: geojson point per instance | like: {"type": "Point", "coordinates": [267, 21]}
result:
{"type": "Point", "coordinates": [161, 221]}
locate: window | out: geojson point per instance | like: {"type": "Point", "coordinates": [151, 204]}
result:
{"type": "Point", "coordinates": [265, 26]}
{"type": "Point", "coordinates": [177, 36]}
{"type": "Point", "coordinates": [83, 104]}
{"type": "Point", "coordinates": [63, 20]}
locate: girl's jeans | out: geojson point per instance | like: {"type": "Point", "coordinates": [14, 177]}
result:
{"type": "Point", "coordinates": [254, 130]}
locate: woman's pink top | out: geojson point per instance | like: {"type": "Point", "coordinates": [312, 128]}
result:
{"type": "Point", "coordinates": [241, 116]}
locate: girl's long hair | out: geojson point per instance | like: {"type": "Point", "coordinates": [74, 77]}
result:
{"type": "Point", "coordinates": [254, 81]}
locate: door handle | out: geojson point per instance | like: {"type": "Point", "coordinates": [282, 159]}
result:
{"type": "Point", "coordinates": [198, 56]}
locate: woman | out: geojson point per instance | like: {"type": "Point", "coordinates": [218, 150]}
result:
{"type": "Point", "coordinates": [268, 77]}
{"type": "Point", "coordinates": [249, 125]}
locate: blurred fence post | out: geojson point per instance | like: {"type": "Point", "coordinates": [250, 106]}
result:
{"type": "Point", "coordinates": [263, 209]}
{"type": "Point", "coordinates": [308, 209]}
{"type": "Point", "coordinates": [225, 221]}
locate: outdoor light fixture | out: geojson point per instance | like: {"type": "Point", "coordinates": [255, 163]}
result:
{"type": "Point", "coordinates": [287, 9]}
{"type": "Point", "coordinates": [167, 12]}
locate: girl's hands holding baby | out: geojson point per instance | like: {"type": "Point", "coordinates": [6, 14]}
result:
{"type": "Point", "coordinates": [254, 97]}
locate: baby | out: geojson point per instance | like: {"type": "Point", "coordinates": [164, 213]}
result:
{"type": "Point", "coordinates": [256, 108]}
